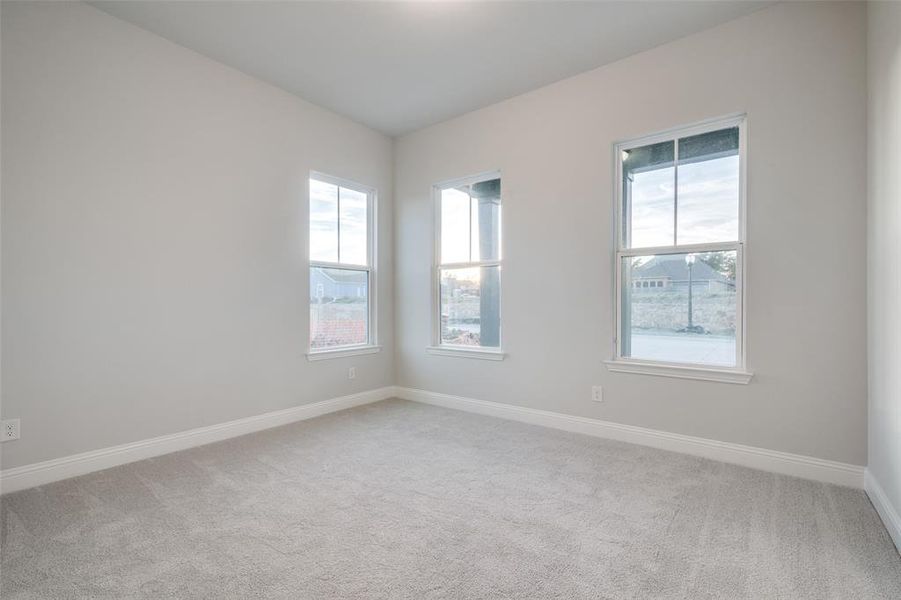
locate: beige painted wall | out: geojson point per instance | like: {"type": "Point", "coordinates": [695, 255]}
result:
{"type": "Point", "coordinates": [799, 71]}
{"type": "Point", "coordinates": [884, 252]}
{"type": "Point", "coordinates": [154, 236]}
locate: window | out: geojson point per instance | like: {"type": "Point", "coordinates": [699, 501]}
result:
{"type": "Point", "coordinates": [342, 277]}
{"type": "Point", "coordinates": [680, 244]}
{"type": "Point", "coordinates": [467, 279]}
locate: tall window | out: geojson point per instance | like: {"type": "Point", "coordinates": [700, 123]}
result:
{"type": "Point", "coordinates": [680, 247]}
{"type": "Point", "coordinates": [341, 259]}
{"type": "Point", "coordinates": [468, 265]}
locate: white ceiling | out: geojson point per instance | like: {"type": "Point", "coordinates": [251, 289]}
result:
{"type": "Point", "coordinates": [400, 66]}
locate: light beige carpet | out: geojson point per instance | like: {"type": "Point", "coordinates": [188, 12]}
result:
{"type": "Point", "coordinates": [403, 500]}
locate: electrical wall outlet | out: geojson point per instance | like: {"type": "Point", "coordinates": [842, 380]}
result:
{"type": "Point", "coordinates": [597, 393]}
{"type": "Point", "coordinates": [9, 430]}
{"type": "Point", "coordinates": [352, 373]}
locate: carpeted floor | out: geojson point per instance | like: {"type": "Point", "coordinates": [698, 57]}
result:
{"type": "Point", "coordinates": [403, 500]}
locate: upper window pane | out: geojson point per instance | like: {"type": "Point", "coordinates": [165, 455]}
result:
{"type": "Point", "coordinates": [649, 183]}
{"type": "Point", "coordinates": [353, 227]}
{"type": "Point", "coordinates": [708, 190]}
{"type": "Point", "coordinates": [683, 191]}
{"type": "Point", "coordinates": [339, 224]}
{"type": "Point", "coordinates": [323, 221]}
{"type": "Point", "coordinates": [471, 222]}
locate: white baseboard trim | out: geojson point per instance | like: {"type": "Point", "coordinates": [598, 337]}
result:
{"type": "Point", "coordinates": [884, 507]}
{"type": "Point", "coordinates": [26, 476]}
{"type": "Point", "coordinates": [19, 478]}
{"type": "Point", "coordinates": [785, 463]}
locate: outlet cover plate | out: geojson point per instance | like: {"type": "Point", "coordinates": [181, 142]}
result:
{"type": "Point", "coordinates": [9, 430]}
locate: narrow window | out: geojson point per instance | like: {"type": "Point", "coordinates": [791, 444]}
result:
{"type": "Point", "coordinates": [468, 269]}
{"type": "Point", "coordinates": [680, 220]}
{"type": "Point", "coordinates": [341, 258]}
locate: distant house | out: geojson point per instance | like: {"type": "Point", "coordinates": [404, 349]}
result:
{"type": "Point", "coordinates": [328, 284]}
{"type": "Point", "coordinates": [671, 272]}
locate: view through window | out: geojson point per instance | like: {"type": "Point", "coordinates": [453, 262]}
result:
{"type": "Point", "coordinates": [340, 264]}
{"type": "Point", "coordinates": [469, 264]}
{"type": "Point", "coordinates": [680, 248]}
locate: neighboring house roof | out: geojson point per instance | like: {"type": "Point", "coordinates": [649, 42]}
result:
{"type": "Point", "coordinates": [342, 276]}
{"type": "Point", "coordinates": [674, 267]}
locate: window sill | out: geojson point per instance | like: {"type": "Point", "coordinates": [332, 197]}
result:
{"type": "Point", "coordinates": [460, 352]}
{"type": "Point", "coordinates": [736, 376]}
{"type": "Point", "coordinates": [342, 352]}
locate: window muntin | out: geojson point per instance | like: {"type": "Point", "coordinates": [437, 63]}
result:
{"type": "Point", "coordinates": [680, 250]}
{"type": "Point", "coordinates": [468, 263]}
{"type": "Point", "coordinates": [341, 257]}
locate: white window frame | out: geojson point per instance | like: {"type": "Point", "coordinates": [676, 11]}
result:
{"type": "Point", "coordinates": [738, 374]}
{"type": "Point", "coordinates": [437, 347]}
{"type": "Point", "coordinates": [371, 346]}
